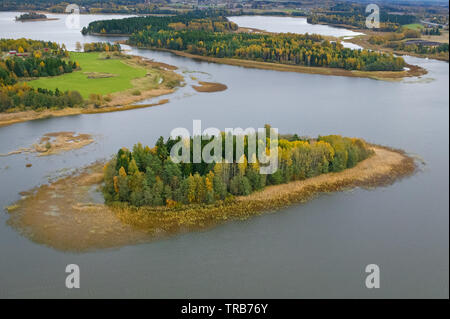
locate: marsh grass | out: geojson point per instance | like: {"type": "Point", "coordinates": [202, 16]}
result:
{"type": "Point", "coordinates": [61, 214]}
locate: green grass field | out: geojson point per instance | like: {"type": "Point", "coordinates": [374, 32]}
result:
{"type": "Point", "coordinates": [414, 26]}
{"type": "Point", "coordinates": [92, 63]}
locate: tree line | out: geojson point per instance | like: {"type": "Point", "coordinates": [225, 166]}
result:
{"type": "Point", "coordinates": [135, 24]}
{"type": "Point", "coordinates": [41, 59]}
{"type": "Point", "coordinates": [296, 49]}
{"type": "Point", "coordinates": [353, 14]}
{"type": "Point", "coordinates": [99, 47]}
{"type": "Point", "coordinates": [20, 96]}
{"type": "Point", "coordinates": [27, 45]}
{"type": "Point", "coordinates": [208, 33]}
{"type": "Point", "coordinates": [148, 177]}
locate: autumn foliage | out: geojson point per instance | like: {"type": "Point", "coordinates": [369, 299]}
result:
{"type": "Point", "coordinates": [148, 177]}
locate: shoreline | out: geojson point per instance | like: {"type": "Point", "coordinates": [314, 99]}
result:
{"type": "Point", "coordinates": [64, 216]}
{"type": "Point", "coordinates": [362, 41]}
{"type": "Point", "coordinates": [35, 20]}
{"type": "Point", "coordinates": [413, 70]}
{"type": "Point", "coordinates": [25, 116]}
{"type": "Point", "coordinates": [121, 100]}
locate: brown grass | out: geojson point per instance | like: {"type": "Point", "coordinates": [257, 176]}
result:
{"type": "Point", "coordinates": [209, 87]}
{"type": "Point", "coordinates": [62, 215]}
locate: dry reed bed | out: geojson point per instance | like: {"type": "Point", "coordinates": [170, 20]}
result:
{"type": "Point", "coordinates": [62, 215]}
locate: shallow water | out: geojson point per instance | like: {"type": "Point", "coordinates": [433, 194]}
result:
{"type": "Point", "coordinates": [319, 249]}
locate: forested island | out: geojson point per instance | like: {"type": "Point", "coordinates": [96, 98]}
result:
{"type": "Point", "coordinates": [148, 196]}
{"type": "Point", "coordinates": [148, 177]}
{"type": "Point", "coordinates": [33, 16]}
{"type": "Point", "coordinates": [40, 79]}
{"type": "Point", "coordinates": [210, 35]}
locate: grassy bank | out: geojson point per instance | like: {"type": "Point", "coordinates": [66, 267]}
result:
{"type": "Point", "coordinates": [98, 75]}
{"type": "Point", "coordinates": [63, 216]}
{"type": "Point", "coordinates": [115, 81]}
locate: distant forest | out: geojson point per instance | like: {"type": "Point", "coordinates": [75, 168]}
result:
{"type": "Point", "coordinates": [209, 33]}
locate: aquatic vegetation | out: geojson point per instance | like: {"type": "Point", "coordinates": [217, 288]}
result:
{"type": "Point", "coordinates": [64, 215]}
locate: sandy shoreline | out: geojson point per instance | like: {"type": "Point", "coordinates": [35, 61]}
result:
{"type": "Point", "coordinates": [63, 215]}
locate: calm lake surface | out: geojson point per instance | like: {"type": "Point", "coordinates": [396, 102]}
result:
{"type": "Point", "coordinates": [288, 24]}
{"type": "Point", "coordinates": [318, 249]}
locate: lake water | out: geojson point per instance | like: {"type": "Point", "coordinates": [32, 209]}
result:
{"type": "Point", "coordinates": [318, 249]}
{"type": "Point", "coordinates": [288, 24]}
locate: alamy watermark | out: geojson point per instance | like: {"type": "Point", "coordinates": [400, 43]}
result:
{"type": "Point", "coordinates": [73, 279]}
{"type": "Point", "coordinates": [233, 141]}
{"type": "Point", "coordinates": [373, 279]}
{"type": "Point", "coordinates": [373, 19]}
{"type": "Point", "coordinates": [73, 19]}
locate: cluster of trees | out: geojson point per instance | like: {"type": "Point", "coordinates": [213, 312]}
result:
{"type": "Point", "coordinates": [34, 65]}
{"type": "Point", "coordinates": [135, 24]}
{"type": "Point", "coordinates": [431, 31]}
{"type": "Point", "coordinates": [420, 48]}
{"type": "Point", "coordinates": [32, 59]}
{"type": "Point", "coordinates": [37, 59]}
{"type": "Point", "coordinates": [308, 50]}
{"type": "Point", "coordinates": [205, 25]}
{"type": "Point", "coordinates": [394, 36]}
{"type": "Point", "coordinates": [101, 47]}
{"type": "Point", "coordinates": [357, 20]}
{"type": "Point", "coordinates": [396, 41]}
{"type": "Point", "coordinates": [20, 96]}
{"type": "Point", "coordinates": [27, 45]}
{"type": "Point", "coordinates": [147, 176]}
{"type": "Point", "coordinates": [31, 16]}
{"type": "Point", "coordinates": [353, 13]}
{"type": "Point", "coordinates": [90, 6]}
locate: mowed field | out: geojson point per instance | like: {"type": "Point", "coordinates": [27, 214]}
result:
{"type": "Point", "coordinates": [414, 26]}
{"type": "Point", "coordinates": [97, 75]}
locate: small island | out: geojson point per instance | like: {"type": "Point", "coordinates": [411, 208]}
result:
{"type": "Point", "coordinates": [55, 143]}
{"type": "Point", "coordinates": [209, 87]}
{"type": "Point", "coordinates": [33, 16]}
{"type": "Point", "coordinates": [146, 196]}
